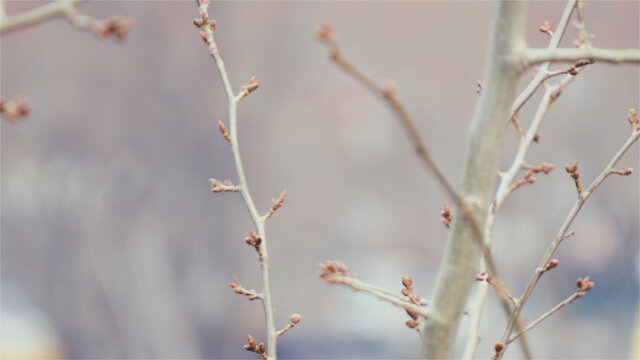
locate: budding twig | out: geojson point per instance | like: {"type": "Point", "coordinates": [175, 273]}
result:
{"type": "Point", "coordinates": [335, 272]}
{"type": "Point", "coordinates": [276, 205]}
{"type": "Point", "coordinates": [295, 318]}
{"type": "Point", "coordinates": [582, 287]}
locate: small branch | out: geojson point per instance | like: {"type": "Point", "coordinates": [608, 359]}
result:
{"type": "Point", "coordinates": [295, 318]}
{"type": "Point", "coordinates": [11, 22]}
{"type": "Point", "coordinates": [259, 241]}
{"type": "Point", "coordinates": [238, 289]}
{"type": "Point", "coordinates": [614, 56]}
{"type": "Point", "coordinates": [583, 286]}
{"type": "Point", "coordinates": [114, 27]}
{"type": "Point", "coordinates": [259, 349]}
{"type": "Point", "coordinates": [276, 205]}
{"type": "Point", "coordinates": [335, 272]}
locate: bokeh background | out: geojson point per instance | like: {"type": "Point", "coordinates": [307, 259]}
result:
{"type": "Point", "coordinates": [114, 247]}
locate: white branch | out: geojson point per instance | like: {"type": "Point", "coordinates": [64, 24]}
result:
{"type": "Point", "coordinates": [10, 22]}
{"type": "Point", "coordinates": [615, 56]}
{"type": "Point", "coordinates": [381, 294]}
{"type": "Point", "coordinates": [207, 26]}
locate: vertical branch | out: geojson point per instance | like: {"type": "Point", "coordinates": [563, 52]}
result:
{"type": "Point", "coordinates": [462, 257]}
{"type": "Point", "coordinates": [207, 27]}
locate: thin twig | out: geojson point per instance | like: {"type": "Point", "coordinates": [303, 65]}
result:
{"type": "Point", "coordinates": [562, 304]}
{"type": "Point", "coordinates": [385, 296]}
{"type": "Point", "coordinates": [11, 22]}
{"type": "Point", "coordinates": [615, 56]}
{"type": "Point", "coordinates": [207, 26]}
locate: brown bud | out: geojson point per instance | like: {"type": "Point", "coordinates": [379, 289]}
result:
{"type": "Point", "coordinates": [498, 347]}
{"type": "Point", "coordinates": [295, 318]}
{"type": "Point", "coordinates": [405, 292]}
{"type": "Point", "coordinates": [406, 281]}
{"type": "Point", "coordinates": [553, 263]}
{"type": "Point", "coordinates": [197, 22]}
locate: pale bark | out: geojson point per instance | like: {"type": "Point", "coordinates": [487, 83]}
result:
{"type": "Point", "coordinates": [462, 256]}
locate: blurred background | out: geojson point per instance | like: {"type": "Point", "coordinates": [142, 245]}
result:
{"type": "Point", "coordinates": [114, 247]}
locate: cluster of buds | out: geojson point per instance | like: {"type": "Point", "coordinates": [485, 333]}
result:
{"type": "Point", "coordinates": [546, 28]}
{"type": "Point", "coordinates": [260, 349]}
{"type": "Point", "coordinates": [15, 109]}
{"type": "Point", "coordinates": [528, 176]}
{"type": "Point", "coordinates": [573, 171]}
{"type": "Point", "coordinates": [224, 132]}
{"type": "Point", "coordinates": [227, 185]}
{"type": "Point", "coordinates": [115, 27]}
{"type": "Point", "coordinates": [407, 290]}
{"type": "Point", "coordinates": [248, 89]}
{"type": "Point", "coordinates": [584, 285]}
{"type": "Point", "coordinates": [332, 270]}
{"type": "Point", "coordinates": [573, 70]}
{"type": "Point", "coordinates": [276, 204]}
{"type": "Point", "coordinates": [239, 289]}
{"type": "Point", "coordinates": [544, 168]}
{"type": "Point", "coordinates": [295, 318]}
{"type": "Point", "coordinates": [324, 34]}
{"type": "Point", "coordinates": [253, 240]}
{"type": "Point", "coordinates": [633, 119]}
{"type": "Point", "coordinates": [204, 23]}
{"type": "Point", "coordinates": [447, 217]}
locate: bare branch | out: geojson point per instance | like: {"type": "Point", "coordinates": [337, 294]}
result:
{"type": "Point", "coordinates": [614, 56]}
{"type": "Point", "coordinates": [335, 272]}
{"type": "Point", "coordinates": [11, 22]}
{"type": "Point", "coordinates": [584, 285]}
{"type": "Point", "coordinates": [259, 241]}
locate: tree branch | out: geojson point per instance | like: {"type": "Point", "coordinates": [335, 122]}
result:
{"type": "Point", "coordinates": [207, 28]}
{"type": "Point", "coordinates": [535, 56]}
{"type": "Point", "coordinates": [11, 22]}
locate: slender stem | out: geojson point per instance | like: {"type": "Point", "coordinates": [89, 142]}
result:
{"type": "Point", "coordinates": [383, 295]}
{"type": "Point", "coordinates": [615, 56]}
{"type": "Point", "coordinates": [561, 235]}
{"type": "Point", "coordinates": [562, 304]}
{"type": "Point", "coordinates": [244, 188]}
{"type": "Point", "coordinates": [11, 22]}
